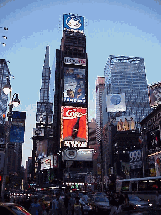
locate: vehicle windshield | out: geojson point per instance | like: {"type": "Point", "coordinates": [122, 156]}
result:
{"type": "Point", "coordinates": [19, 210]}
{"type": "Point", "coordinates": [101, 199]}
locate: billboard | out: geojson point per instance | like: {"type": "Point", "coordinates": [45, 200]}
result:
{"type": "Point", "coordinates": [116, 102]}
{"type": "Point", "coordinates": [75, 61]}
{"type": "Point", "coordinates": [73, 22]}
{"type": "Point", "coordinates": [74, 125]}
{"type": "Point", "coordinates": [41, 148]}
{"type": "Point", "coordinates": [154, 92]}
{"type": "Point", "coordinates": [47, 163]}
{"type": "Point", "coordinates": [135, 159]}
{"type": "Point", "coordinates": [78, 155]}
{"type": "Point", "coordinates": [38, 132]}
{"type": "Point", "coordinates": [74, 85]}
{"type": "Point", "coordinates": [17, 133]}
{"type": "Point", "coordinates": [125, 123]}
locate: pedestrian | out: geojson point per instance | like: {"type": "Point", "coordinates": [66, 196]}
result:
{"type": "Point", "coordinates": [121, 201]}
{"type": "Point", "coordinates": [78, 210]}
{"type": "Point", "coordinates": [71, 202]}
{"type": "Point", "coordinates": [43, 207]}
{"type": "Point", "coordinates": [158, 199]}
{"type": "Point", "coordinates": [56, 205]}
{"type": "Point", "coordinates": [113, 200]}
{"type": "Point", "coordinates": [35, 208]}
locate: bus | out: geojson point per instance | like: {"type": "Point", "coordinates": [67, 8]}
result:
{"type": "Point", "coordinates": [139, 185]}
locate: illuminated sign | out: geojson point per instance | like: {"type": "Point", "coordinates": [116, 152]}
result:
{"type": "Point", "coordinates": [154, 92]}
{"type": "Point", "coordinates": [126, 123]}
{"type": "Point", "coordinates": [116, 102]}
{"type": "Point", "coordinates": [74, 124]}
{"type": "Point", "coordinates": [73, 23]}
{"type": "Point", "coordinates": [47, 163]}
{"type": "Point", "coordinates": [42, 148]}
{"type": "Point", "coordinates": [78, 155]}
{"type": "Point", "coordinates": [74, 85]}
{"type": "Point", "coordinates": [135, 159]}
{"type": "Point", "coordinates": [75, 61]}
{"type": "Point", "coordinates": [75, 144]}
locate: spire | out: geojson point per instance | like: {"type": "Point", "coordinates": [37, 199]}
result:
{"type": "Point", "coordinates": [46, 61]}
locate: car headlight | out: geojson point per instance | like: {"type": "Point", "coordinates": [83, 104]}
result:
{"type": "Point", "coordinates": [138, 205]}
{"type": "Point", "coordinates": [150, 204]}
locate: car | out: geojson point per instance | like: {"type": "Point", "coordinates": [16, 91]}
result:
{"type": "Point", "coordinates": [100, 204]}
{"type": "Point", "coordinates": [12, 209]}
{"type": "Point", "coordinates": [139, 204]}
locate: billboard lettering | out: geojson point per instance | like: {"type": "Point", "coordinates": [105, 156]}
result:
{"type": "Point", "coordinates": [75, 61]}
{"type": "Point", "coordinates": [75, 144]}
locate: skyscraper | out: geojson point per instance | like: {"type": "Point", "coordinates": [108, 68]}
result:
{"type": "Point", "coordinates": [4, 76]}
{"type": "Point", "coordinates": [127, 75]}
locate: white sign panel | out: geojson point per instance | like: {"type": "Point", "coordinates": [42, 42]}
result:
{"type": "Point", "coordinates": [38, 132]}
{"type": "Point", "coordinates": [75, 61]}
{"type": "Point", "coordinates": [78, 155]}
{"type": "Point", "coordinates": [75, 144]}
{"type": "Point", "coordinates": [47, 163]}
{"type": "Point", "coordinates": [116, 102]}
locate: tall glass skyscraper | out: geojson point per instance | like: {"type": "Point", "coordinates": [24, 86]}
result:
{"type": "Point", "coordinates": [127, 75]}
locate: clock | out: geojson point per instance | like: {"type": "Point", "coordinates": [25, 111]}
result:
{"type": "Point", "coordinates": [115, 99]}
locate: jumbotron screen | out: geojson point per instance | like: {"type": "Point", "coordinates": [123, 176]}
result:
{"type": "Point", "coordinates": [74, 130]}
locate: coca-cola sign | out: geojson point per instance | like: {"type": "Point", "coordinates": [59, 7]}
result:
{"type": "Point", "coordinates": [74, 124]}
{"type": "Point", "coordinates": [75, 61]}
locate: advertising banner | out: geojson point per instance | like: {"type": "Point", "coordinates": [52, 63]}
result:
{"type": "Point", "coordinates": [158, 164]}
{"type": "Point", "coordinates": [74, 124]}
{"type": "Point", "coordinates": [125, 123]}
{"type": "Point", "coordinates": [154, 94]}
{"type": "Point", "coordinates": [42, 148]}
{"type": "Point", "coordinates": [75, 61]}
{"type": "Point", "coordinates": [74, 85]}
{"type": "Point", "coordinates": [135, 159]}
{"type": "Point", "coordinates": [17, 134]}
{"type": "Point", "coordinates": [78, 155]}
{"type": "Point", "coordinates": [73, 22]}
{"type": "Point", "coordinates": [116, 102]}
{"type": "Point", "coordinates": [47, 163]}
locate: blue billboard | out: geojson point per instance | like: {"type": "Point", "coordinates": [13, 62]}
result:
{"type": "Point", "coordinates": [17, 134]}
{"type": "Point", "coordinates": [74, 85]}
{"type": "Point", "coordinates": [73, 22]}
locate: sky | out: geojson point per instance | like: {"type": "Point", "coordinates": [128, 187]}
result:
{"type": "Point", "coordinates": [112, 27]}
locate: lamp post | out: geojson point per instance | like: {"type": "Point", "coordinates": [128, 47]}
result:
{"type": "Point", "coordinates": [13, 103]}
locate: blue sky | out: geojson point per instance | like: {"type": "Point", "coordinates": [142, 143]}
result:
{"type": "Point", "coordinates": [126, 27]}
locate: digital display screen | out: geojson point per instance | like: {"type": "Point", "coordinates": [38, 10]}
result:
{"type": "Point", "coordinates": [73, 22]}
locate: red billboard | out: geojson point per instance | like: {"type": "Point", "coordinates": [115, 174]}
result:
{"type": "Point", "coordinates": [74, 124]}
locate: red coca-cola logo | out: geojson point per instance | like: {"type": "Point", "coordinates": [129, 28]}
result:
{"type": "Point", "coordinates": [73, 113]}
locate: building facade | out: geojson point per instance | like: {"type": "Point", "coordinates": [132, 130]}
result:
{"type": "Point", "coordinates": [125, 101]}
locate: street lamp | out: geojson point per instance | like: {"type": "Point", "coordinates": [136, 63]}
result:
{"type": "Point", "coordinates": [13, 103]}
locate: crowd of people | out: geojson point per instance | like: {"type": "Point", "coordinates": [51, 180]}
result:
{"type": "Point", "coordinates": [118, 202]}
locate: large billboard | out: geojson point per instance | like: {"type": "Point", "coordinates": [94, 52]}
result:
{"type": "Point", "coordinates": [47, 163]}
{"type": "Point", "coordinates": [78, 155]}
{"type": "Point", "coordinates": [74, 85]}
{"type": "Point", "coordinates": [72, 22]}
{"type": "Point", "coordinates": [135, 159]}
{"type": "Point", "coordinates": [74, 125]}
{"type": "Point", "coordinates": [41, 148]}
{"type": "Point", "coordinates": [154, 94]}
{"type": "Point", "coordinates": [125, 123]}
{"type": "Point", "coordinates": [116, 102]}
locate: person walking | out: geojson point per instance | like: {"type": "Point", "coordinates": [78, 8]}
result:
{"type": "Point", "coordinates": [35, 208]}
{"type": "Point", "coordinates": [78, 210]}
{"type": "Point", "coordinates": [56, 205]}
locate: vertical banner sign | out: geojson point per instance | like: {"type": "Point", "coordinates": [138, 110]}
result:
{"type": "Point", "coordinates": [74, 124]}
{"type": "Point", "coordinates": [136, 159]}
{"type": "Point", "coordinates": [74, 85]}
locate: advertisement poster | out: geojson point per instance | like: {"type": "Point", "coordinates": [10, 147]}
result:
{"type": "Point", "coordinates": [74, 124]}
{"type": "Point", "coordinates": [74, 85]}
{"type": "Point", "coordinates": [47, 163]}
{"type": "Point", "coordinates": [73, 22]}
{"type": "Point", "coordinates": [42, 148]}
{"type": "Point", "coordinates": [116, 102]}
{"type": "Point", "coordinates": [135, 159]}
{"type": "Point", "coordinates": [154, 93]}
